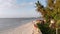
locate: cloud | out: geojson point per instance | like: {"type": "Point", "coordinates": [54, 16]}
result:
{"type": "Point", "coordinates": [9, 8]}
{"type": "Point", "coordinates": [29, 3]}
{"type": "Point", "coordinates": [25, 4]}
{"type": "Point", "coordinates": [6, 4]}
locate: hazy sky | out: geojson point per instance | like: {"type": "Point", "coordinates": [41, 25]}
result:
{"type": "Point", "coordinates": [18, 8]}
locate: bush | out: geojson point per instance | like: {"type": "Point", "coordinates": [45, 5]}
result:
{"type": "Point", "coordinates": [45, 29]}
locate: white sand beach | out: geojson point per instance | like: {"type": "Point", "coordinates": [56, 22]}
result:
{"type": "Point", "coordinates": [24, 29]}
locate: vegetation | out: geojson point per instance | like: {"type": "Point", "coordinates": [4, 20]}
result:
{"type": "Point", "coordinates": [45, 29]}
{"type": "Point", "coordinates": [50, 12]}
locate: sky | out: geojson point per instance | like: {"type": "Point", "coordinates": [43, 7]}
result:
{"type": "Point", "coordinates": [19, 8]}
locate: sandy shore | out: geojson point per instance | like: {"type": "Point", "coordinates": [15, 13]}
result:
{"type": "Point", "coordinates": [24, 29]}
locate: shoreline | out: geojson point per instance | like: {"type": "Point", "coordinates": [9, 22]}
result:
{"type": "Point", "coordinates": [23, 29]}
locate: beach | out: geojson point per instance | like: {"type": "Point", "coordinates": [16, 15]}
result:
{"type": "Point", "coordinates": [16, 25]}
{"type": "Point", "coordinates": [23, 29]}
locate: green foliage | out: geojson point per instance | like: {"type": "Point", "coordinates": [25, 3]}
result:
{"type": "Point", "coordinates": [57, 17]}
{"type": "Point", "coordinates": [58, 23]}
{"type": "Point", "coordinates": [51, 11]}
{"type": "Point", "coordinates": [45, 29]}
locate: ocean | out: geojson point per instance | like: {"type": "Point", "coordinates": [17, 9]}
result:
{"type": "Point", "coordinates": [9, 23]}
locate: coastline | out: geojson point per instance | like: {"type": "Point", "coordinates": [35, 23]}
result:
{"type": "Point", "coordinates": [23, 29]}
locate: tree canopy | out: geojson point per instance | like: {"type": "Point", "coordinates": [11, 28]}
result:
{"type": "Point", "coordinates": [51, 11]}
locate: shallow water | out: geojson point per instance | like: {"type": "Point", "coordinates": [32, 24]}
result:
{"type": "Point", "coordinates": [8, 23]}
